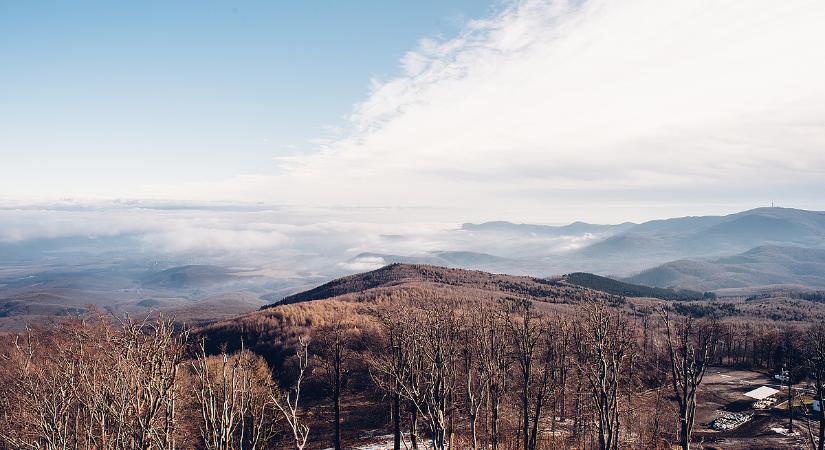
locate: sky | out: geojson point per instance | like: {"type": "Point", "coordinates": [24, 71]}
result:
{"type": "Point", "coordinates": [531, 111]}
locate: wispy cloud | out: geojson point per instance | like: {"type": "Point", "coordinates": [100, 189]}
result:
{"type": "Point", "coordinates": [569, 101]}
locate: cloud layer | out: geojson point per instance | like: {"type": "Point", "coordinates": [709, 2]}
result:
{"type": "Point", "coordinates": [246, 234]}
{"type": "Point", "coordinates": [285, 240]}
{"type": "Point", "coordinates": [581, 103]}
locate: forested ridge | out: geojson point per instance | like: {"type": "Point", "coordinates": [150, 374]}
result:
{"type": "Point", "coordinates": [437, 358]}
{"type": "Point", "coordinates": [617, 287]}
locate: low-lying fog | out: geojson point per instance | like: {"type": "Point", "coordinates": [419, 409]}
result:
{"type": "Point", "coordinates": [275, 240]}
{"type": "Point", "coordinates": [128, 255]}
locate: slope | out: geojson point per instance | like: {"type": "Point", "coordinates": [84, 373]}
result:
{"type": "Point", "coordinates": [760, 266]}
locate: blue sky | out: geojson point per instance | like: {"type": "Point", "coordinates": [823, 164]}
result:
{"type": "Point", "coordinates": [187, 90]}
{"type": "Point", "coordinates": [528, 110]}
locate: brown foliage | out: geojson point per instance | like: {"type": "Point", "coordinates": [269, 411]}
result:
{"type": "Point", "coordinates": [461, 359]}
{"type": "Point", "coordinates": [89, 384]}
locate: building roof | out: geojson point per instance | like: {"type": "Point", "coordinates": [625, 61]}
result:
{"type": "Point", "coordinates": [761, 393]}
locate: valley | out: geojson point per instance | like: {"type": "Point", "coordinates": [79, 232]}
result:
{"type": "Point", "coordinates": [732, 256]}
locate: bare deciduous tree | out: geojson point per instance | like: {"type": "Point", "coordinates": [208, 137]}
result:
{"type": "Point", "coordinates": [426, 376]}
{"type": "Point", "coordinates": [495, 360]}
{"type": "Point", "coordinates": [329, 349]}
{"type": "Point", "coordinates": [431, 389]}
{"type": "Point", "coordinates": [814, 357]}
{"type": "Point", "coordinates": [87, 384]}
{"type": "Point", "coordinates": [690, 346]}
{"type": "Point", "coordinates": [231, 395]}
{"type": "Point", "coordinates": [534, 359]}
{"type": "Point", "coordinates": [475, 374]}
{"type": "Point", "coordinates": [288, 403]}
{"type": "Point", "coordinates": [388, 364]}
{"type": "Point", "coordinates": [606, 339]}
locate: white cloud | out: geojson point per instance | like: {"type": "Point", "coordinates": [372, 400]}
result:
{"type": "Point", "coordinates": [245, 232]}
{"type": "Point", "coordinates": [18, 225]}
{"type": "Point", "coordinates": [289, 240]}
{"type": "Point", "coordinates": [363, 264]}
{"type": "Point", "coordinates": [203, 240]}
{"type": "Point", "coordinates": [571, 101]}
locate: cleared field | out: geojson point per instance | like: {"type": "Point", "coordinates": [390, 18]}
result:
{"type": "Point", "coordinates": [723, 390]}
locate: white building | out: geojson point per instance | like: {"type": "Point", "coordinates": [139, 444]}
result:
{"type": "Point", "coordinates": [763, 396]}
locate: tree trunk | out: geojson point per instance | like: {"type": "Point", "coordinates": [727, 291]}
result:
{"type": "Point", "coordinates": [563, 393]}
{"type": "Point", "coordinates": [535, 430]}
{"type": "Point", "coordinates": [525, 413]}
{"type": "Point", "coordinates": [684, 435]}
{"type": "Point", "coordinates": [336, 404]}
{"type": "Point", "coordinates": [414, 429]}
{"type": "Point", "coordinates": [553, 423]}
{"type": "Point", "coordinates": [396, 422]}
{"type": "Point", "coordinates": [494, 421]}
{"type": "Point", "coordinates": [473, 435]}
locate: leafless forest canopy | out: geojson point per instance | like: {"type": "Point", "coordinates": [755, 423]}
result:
{"type": "Point", "coordinates": [421, 357]}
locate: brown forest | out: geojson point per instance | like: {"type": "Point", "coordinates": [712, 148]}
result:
{"type": "Point", "coordinates": [461, 360]}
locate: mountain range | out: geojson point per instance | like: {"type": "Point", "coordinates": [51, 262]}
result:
{"type": "Point", "coordinates": [742, 252]}
{"type": "Point", "coordinates": [715, 235]}
{"type": "Point", "coordinates": [756, 247]}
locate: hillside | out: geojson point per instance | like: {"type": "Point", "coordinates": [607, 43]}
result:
{"type": "Point", "coordinates": [400, 276]}
{"type": "Point", "coordinates": [617, 287]}
{"type": "Point", "coordinates": [190, 276]}
{"type": "Point", "coordinates": [275, 328]}
{"type": "Point", "coordinates": [760, 266]}
{"type": "Point", "coordinates": [216, 307]}
{"type": "Point", "coordinates": [357, 297]}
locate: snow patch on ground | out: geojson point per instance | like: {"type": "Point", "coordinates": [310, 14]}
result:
{"type": "Point", "coordinates": [385, 442]}
{"type": "Point", "coordinates": [783, 431]}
